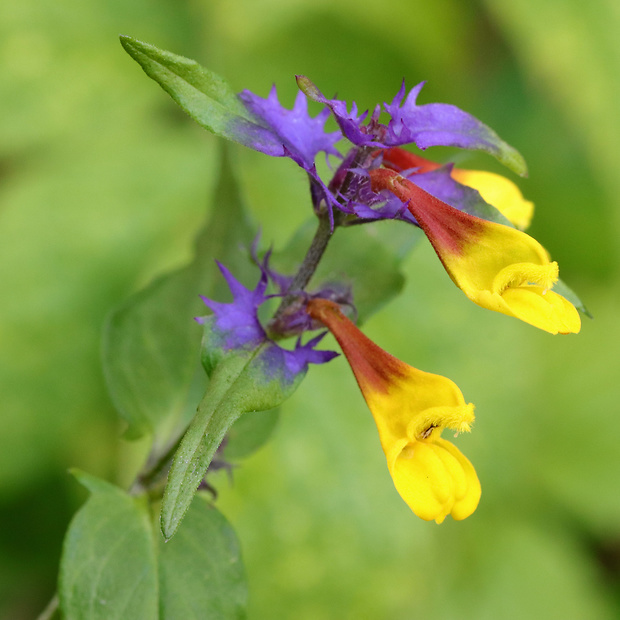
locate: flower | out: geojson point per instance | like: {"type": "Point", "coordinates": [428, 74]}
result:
{"type": "Point", "coordinates": [267, 126]}
{"type": "Point", "coordinates": [431, 124]}
{"type": "Point", "coordinates": [496, 266]}
{"type": "Point", "coordinates": [410, 408]}
{"type": "Point", "coordinates": [493, 188]}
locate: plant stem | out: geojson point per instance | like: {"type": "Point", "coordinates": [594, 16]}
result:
{"type": "Point", "coordinates": [154, 468]}
{"type": "Point", "coordinates": [50, 610]}
{"type": "Point", "coordinates": [322, 237]}
{"type": "Point", "coordinates": [313, 256]}
{"type": "Point", "coordinates": [311, 261]}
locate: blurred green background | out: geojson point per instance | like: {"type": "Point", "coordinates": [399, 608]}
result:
{"type": "Point", "coordinates": [103, 183]}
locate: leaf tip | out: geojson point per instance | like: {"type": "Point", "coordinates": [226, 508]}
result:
{"type": "Point", "coordinates": [168, 527]}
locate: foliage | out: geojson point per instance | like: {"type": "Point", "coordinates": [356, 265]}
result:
{"type": "Point", "coordinates": [103, 187]}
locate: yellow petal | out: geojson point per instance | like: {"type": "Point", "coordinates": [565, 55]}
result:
{"type": "Point", "coordinates": [543, 309]}
{"type": "Point", "coordinates": [435, 480]}
{"type": "Point", "coordinates": [496, 249]}
{"type": "Point", "coordinates": [500, 192]}
{"type": "Point", "coordinates": [466, 503]}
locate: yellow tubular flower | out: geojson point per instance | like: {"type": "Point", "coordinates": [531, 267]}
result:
{"type": "Point", "coordinates": [495, 189]}
{"type": "Point", "coordinates": [500, 192]}
{"type": "Point", "coordinates": [497, 267]}
{"type": "Point", "coordinates": [410, 408]}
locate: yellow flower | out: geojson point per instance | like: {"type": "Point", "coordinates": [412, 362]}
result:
{"type": "Point", "coordinates": [495, 189]}
{"type": "Point", "coordinates": [497, 267]}
{"type": "Point", "coordinates": [410, 408]}
{"type": "Point", "coordinates": [500, 192]}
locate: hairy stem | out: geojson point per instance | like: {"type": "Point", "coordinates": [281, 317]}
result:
{"type": "Point", "coordinates": [307, 268]}
{"type": "Point", "coordinates": [313, 257]}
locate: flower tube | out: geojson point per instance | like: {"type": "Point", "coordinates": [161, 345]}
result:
{"type": "Point", "coordinates": [496, 266]}
{"type": "Point", "coordinates": [410, 408]}
{"type": "Point", "coordinates": [495, 189]}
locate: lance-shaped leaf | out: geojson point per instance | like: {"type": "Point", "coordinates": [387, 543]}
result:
{"type": "Point", "coordinates": [151, 342]}
{"type": "Point", "coordinates": [108, 568]}
{"type": "Point", "coordinates": [247, 371]}
{"type": "Point", "coordinates": [241, 381]}
{"type": "Point", "coordinates": [204, 95]}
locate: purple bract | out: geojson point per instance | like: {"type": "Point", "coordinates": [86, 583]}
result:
{"type": "Point", "coordinates": [281, 132]}
{"type": "Point", "coordinates": [236, 327]}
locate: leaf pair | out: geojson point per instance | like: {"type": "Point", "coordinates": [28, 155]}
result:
{"type": "Point", "coordinates": [116, 566]}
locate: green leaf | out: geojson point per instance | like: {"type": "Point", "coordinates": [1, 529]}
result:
{"type": "Point", "coordinates": [108, 568]}
{"type": "Point", "coordinates": [151, 342]}
{"type": "Point", "coordinates": [201, 575]}
{"type": "Point", "coordinates": [241, 381]}
{"type": "Point", "coordinates": [204, 95]}
{"type": "Point", "coordinates": [249, 433]}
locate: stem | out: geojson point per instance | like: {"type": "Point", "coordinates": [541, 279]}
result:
{"type": "Point", "coordinates": [154, 468]}
{"type": "Point", "coordinates": [313, 256]}
{"type": "Point", "coordinates": [50, 610]}
{"type": "Point", "coordinates": [311, 261]}
{"type": "Point", "coordinates": [321, 239]}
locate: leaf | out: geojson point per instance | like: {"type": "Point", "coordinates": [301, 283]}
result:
{"type": "Point", "coordinates": [241, 381]}
{"type": "Point", "coordinates": [204, 95]}
{"type": "Point", "coordinates": [199, 91]}
{"type": "Point", "coordinates": [151, 342]}
{"type": "Point", "coordinates": [201, 574]}
{"type": "Point", "coordinates": [249, 433]}
{"type": "Point", "coordinates": [108, 567]}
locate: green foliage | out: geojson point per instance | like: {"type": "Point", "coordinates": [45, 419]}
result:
{"type": "Point", "coordinates": [115, 564]}
{"type": "Point", "coordinates": [249, 433]}
{"type": "Point", "coordinates": [205, 96]}
{"type": "Point", "coordinates": [108, 568]}
{"type": "Point", "coordinates": [239, 382]}
{"type": "Point", "coordinates": [101, 183]}
{"type": "Point", "coordinates": [201, 575]}
{"type": "Point", "coordinates": [151, 341]}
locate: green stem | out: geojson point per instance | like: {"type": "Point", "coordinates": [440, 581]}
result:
{"type": "Point", "coordinates": [313, 256]}
{"type": "Point", "coordinates": [276, 326]}
{"type": "Point", "coordinates": [50, 610]}
{"type": "Point", "coordinates": [155, 468]}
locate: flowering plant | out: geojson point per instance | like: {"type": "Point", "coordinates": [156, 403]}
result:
{"type": "Point", "coordinates": [475, 221]}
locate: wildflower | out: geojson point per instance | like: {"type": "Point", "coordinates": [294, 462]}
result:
{"type": "Point", "coordinates": [496, 266]}
{"type": "Point", "coordinates": [494, 189]}
{"type": "Point", "coordinates": [411, 408]}
{"type": "Point", "coordinates": [270, 128]}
